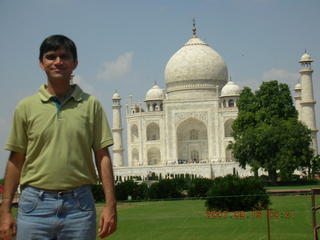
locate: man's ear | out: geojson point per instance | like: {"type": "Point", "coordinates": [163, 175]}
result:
{"type": "Point", "coordinates": [41, 65]}
{"type": "Point", "coordinates": [75, 64]}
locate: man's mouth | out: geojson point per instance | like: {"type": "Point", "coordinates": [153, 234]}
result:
{"type": "Point", "coordinates": [57, 70]}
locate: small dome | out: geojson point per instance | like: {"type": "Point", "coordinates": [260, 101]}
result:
{"type": "Point", "coordinates": [231, 89]}
{"type": "Point", "coordinates": [154, 93]}
{"type": "Point", "coordinates": [116, 96]}
{"type": "Point", "coordinates": [298, 87]}
{"type": "Point", "coordinates": [306, 58]}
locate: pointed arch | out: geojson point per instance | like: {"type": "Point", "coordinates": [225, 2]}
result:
{"type": "Point", "coordinates": [229, 155]}
{"type": "Point", "coordinates": [231, 103]}
{"type": "Point", "coordinates": [192, 141]}
{"type": "Point", "coordinates": [135, 157]}
{"type": "Point", "coordinates": [228, 128]}
{"type": "Point", "coordinates": [153, 132]}
{"type": "Point", "coordinates": [134, 133]}
{"type": "Point", "coordinates": [154, 156]}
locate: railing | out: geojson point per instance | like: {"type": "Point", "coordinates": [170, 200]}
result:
{"type": "Point", "coordinates": [315, 208]}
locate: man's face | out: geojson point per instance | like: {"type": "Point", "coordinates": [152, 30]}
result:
{"type": "Point", "coordinates": [58, 64]}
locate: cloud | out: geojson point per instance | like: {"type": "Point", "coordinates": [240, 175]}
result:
{"type": "Point", "coordinates": [251, 83]}
{"type": "Point", "coordinates": [83, 84]}
{"type": "Point", "coordinates": [281, 75]}
{"type": "Point", "coordinates": [117, 68]}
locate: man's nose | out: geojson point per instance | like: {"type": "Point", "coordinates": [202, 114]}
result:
{"type": "Point", "coordinates": [58, 60]}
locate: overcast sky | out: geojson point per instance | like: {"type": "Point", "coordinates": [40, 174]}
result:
{"type": "Point", "coordinates": [125, 45]}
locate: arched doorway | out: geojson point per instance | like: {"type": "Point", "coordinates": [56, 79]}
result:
{"type": "Point", "coordinates": [154, 156]}
{"type": "Point", "coordinates": [228, 128]}
{"type": "Point", "coordinates": [153, 132]}
{"type": "Point", "coordinates": [135, 157]}
{"type": "Point", "coordinates": [192, 141]}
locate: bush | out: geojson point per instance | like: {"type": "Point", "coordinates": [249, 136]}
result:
{"type": "Point", "coordinates": [241, 194]}
{"type": "Point", "coordinates": [166, 188]}
{"type": "Point", "coordinates": [98, 194]}
{"type": "Point", "coordinates": [133, 189]}
{"type": "Point", "coordinates": [199, 187]}
{"type": "Point", "coordinates": [294, 182]}
{"type": "Point", "coordinates": [182, 182]}
{"type": "Point", "coordinates": [140, 192]}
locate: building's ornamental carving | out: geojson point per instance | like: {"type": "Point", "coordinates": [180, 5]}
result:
{"type": "Point", "coordinates": [181, 116]}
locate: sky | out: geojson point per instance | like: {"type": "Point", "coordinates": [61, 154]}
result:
{"type": "Point", "coordinates": [124, 45]}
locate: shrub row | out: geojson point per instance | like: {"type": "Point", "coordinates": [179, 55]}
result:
{"type": "Point", "coordinates": [232, 193]}
{"type": "Point", "coordinates": [295, 181]}
{"type": "Point", "coordinates": [134, 190]}
{"type": "Point", "coordinates": [229, 193]}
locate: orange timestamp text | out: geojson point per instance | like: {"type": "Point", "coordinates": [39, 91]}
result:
{"type": "Point", "coordinates": [271, 214]}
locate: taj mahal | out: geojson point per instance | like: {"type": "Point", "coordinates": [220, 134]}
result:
{"type": "Point", "coordinates": [186, 127]}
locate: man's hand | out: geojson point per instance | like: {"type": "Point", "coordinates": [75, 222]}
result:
{"type": "Point", "coordinates": [108, 221]}
{"type": "Point", "coordinates": [7, 225]}
{"type": "Point", "coordinates": [11, 181]}
{"type": "Point", "coordinates": [108, 218]}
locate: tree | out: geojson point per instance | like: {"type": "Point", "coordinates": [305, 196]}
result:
{"type": "Point", "coordinates": [312, 168]}
{"type": "Point", "coordinates": [267, 132]}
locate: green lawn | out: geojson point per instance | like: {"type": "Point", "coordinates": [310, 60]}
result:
{"type": "Point", "coordinates": [293, 187]}
{"type": "Point", "coordinates": [186, 219]}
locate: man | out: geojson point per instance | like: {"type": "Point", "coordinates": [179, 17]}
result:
{"type": "Point", "coordinates": [51, 141]}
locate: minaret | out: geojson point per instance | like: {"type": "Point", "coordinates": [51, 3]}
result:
{"type": "Point", "coordinates": [297, 98]}
{"type": "Point", "coordinates": [307, 99]}
{"type": "Point", "coordinates": [117, 131]}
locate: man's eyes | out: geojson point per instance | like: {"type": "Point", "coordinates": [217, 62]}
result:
{"type": "Point", "coordinates": [53, 56]}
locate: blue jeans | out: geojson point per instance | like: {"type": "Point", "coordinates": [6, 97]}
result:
{"type": "Point", "coordinates": [56, 215]}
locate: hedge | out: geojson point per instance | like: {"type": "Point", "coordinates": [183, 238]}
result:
{"type": "Point", "coordinates": [166, 188]}
{"type": "Point", "coordinates": [199, 187]}
{"type": "Point", "coordinates": [231, 193]}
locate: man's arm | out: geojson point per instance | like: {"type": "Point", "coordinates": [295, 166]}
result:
{"type": "Point", "coordinates": [108, 218]}
{"type": "Point", "coordinates": [11, 182]}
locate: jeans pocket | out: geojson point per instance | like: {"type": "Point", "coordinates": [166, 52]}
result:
{"type": "Point", "coordinates": [27, 204]}
{"type": "Point", "coordinates": [86, 201]}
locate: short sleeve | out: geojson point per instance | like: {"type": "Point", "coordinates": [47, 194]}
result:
{"type": "Point", "coordinates": [17, 139]}
{"type": "Point", "coordinates": [102, 136]}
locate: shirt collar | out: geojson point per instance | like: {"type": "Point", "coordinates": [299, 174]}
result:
{"type": "Point", "coordinates": [45, 96]}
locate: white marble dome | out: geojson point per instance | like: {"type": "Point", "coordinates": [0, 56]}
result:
{"type": "Point", "coordinates": [306, 58]}
{"type": "Point", "coordinates": [195, 66]}
{"type": "Point", "coordinates": [231, 89]}
{"type": "Point", "coordinates": [154, 93]}
{"type": "Point", "coordinates": [298, 87]}
{"type": "Point", "coordinates": [116, 96]}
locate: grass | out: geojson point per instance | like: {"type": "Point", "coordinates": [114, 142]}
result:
{"type": "Point", "coordinates": [293, 187]}
{"type": "Point", "coordinates": [186, 219]}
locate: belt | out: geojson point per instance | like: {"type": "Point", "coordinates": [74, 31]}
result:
{"type": "Point", "coordinates": [56, 194]}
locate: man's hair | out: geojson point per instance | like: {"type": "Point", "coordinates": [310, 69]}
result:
{"type": "Point", "coordinates": [54, 42]}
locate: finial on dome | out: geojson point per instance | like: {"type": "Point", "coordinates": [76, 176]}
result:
{"type": "Point", "coordinates": [230, 79]}
{"type": "Point", "coordinates": [155, 82]}
{"type": "Point", "coordinates": [194, 29]}
{"type": "Point", "coordinates": [305, 50]}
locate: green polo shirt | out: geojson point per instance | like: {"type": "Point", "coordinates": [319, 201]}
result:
{"type": "Point", "coordinates": [58, 139]}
